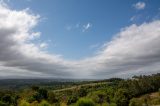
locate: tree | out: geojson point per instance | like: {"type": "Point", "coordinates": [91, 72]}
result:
{"type": "Point", "coordinates": [24, 103]}
{"type": "Point", "coordinates": [7, 99]}
{"type": "Point", "coordinates": [121, 97]}
{"type": "Point", "coordinates": [43, 93]}
{"type": "Point", "coordinates": [35, 88]}
{"type": "Point", "coordinates": [82, 92]}
{"type": "Point", "coordinates": [52, 97]}
{"type": "Point", "coordinates": [98, 97]}
{"type": "Point", "coordinates": [72, 99]}
{"type": "Point", "coordinates": [3, 104]}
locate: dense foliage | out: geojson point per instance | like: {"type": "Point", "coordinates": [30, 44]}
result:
{"type": "Point", "coordinates": [136, 91]}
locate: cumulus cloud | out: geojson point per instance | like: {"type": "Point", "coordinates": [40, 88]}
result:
{"type": "Point", "coordinates": [139, 5]}
{"type": "Point", "coordinates": [134, 50]}
{"type": "Point", "coordinates": [17, 49]}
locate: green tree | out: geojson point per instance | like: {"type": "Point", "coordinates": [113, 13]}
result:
{"type": "Point", "coordinates": [121, 97]}
{"type": "Point", "coordinates": [3, 104]}
{"type": "Point", "coordinates": [7, 99]}
{"type": "Point", "coordinates": [52, 97]}
{"type": "Point", "coordinates": [43, 93]}
{"type": "Point", "coordinates": [82, 92]}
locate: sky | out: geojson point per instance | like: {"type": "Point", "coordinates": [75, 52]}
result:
{"type": "Point", "coordinates": [79, 38]}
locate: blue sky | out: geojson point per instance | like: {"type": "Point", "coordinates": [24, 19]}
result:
{"type": "Point", "coordinates": [79, 38]}
{"type": "Point", "coordinates": [63, 20]}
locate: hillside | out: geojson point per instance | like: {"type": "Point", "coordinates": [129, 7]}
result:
{"type": "Point", "coordinates": [152, 99]}
{"type": "Point", "coordinates": [138, 91]}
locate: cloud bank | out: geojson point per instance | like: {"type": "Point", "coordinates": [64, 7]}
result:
{"type": "Point", "coordinates": [134, 50]}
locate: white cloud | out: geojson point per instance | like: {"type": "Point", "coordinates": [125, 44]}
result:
{"type": "Point", "coordinates": [35, 35]}
{"type": "Point", "coordinates": [94, 46]}
{"type": "Point", "coordinates": [86, 27]}
{"type": "Point", "coordinates": [139, 5]}
{"type": "Point", "coordinates": [132, 18]}
{"type": "Point", "coordinates": [136, 17]}
{"type": "Point", "coordinates": [43, 45]}
{"type": "Point", "coordinates": [134, 50]}
{"type": "Point", "coordinates": [17, 49]}
{"type": "Point", "coordinates": [81, 27]}
{"type": "Point", "coordinates": [71, 27]}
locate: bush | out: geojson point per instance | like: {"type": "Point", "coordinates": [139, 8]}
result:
{"type": "Point", "coordinates": [7, 98]}
{"type": "Point", "coordinates": [121, 97]}
{"type": "Point", "coordinates": [82, 92]}
{"type": "Point", "coordinates": [31, 99]}
{"type": "Point", "coordinates": [43, 93]}
{"type": "Point", "coordinates": [52, 97]}
{"type": "Point", "coordinates": [24, 103]}
{"type": "Point", "coordinates": [85, 102]}
{"type": "Point", "coordinates": [93, 96]}
{"type": "Point", "coordinates": [72, 99]}
{"type": "Point", "coordinates": [44, 103]}
{"type": "Point", "coordinates": [3, 104]}
{"type": "Point", "coordinates": [35, 103]}
{"type": "Point", "coordinates": [98, 97]}
{"type": "Point", "coordinates": [155, 101]}
{"type": "Point", "coordinates": [35, 88]}
{"type": "Point", "coordinates": [135, 102]}
{"type": "Point", "coordinates": [38, 95]}
{"type": "Point", "coordinates": [112, 104]}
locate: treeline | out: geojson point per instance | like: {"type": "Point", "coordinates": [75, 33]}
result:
{"type": "Point", "coordinates": [140, 85]}
{"type": "Point", "coordinates": [8, 98]}
{"type": "Point", "coordinates": [18, 84]}
{"type": "Point", "coordinates": [135, 87]}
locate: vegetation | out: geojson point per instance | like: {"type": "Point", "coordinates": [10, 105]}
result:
{"type": "Point", "coordinates": [85, 102]}
{"type": "Point", "coordinates": [137, 91]}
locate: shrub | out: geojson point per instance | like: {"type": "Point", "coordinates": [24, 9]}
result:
{"type": "Point", "coordinates": [82, 92]}
{"type": "Point", "coordinates": [112, 104]}
{"type": "Point", "coordinates": [52, 97]}
{"type": "Point", "coordinates": [121, 97]}
{"type": "Point", "coordinates": [135, 102]}
{"type": "Point", "coordinates": [7, 98]}
{"type": "Point", "coordinates": [44, 103]}
{"type": "Point", "coordinates": [98, 97]}
{"type": "Point", "coordinates": [85, 102]}
{"type": "Point", "coordinates": [43, 93]}
{"type": "Point", "coordinates": [35, 103]}
{"type": "Point", "coordinates": [31, 99]}
{"type": "Point", "coordinates": [155, 101]}
{"type": "Point", "coordinates": [35, 88]}
{"type": "Point", "coordinates": [3, 104]}
{"type": "Point", "coordinates": [72, 99]}
{"type": "Point", "coordinates": [24, 103]}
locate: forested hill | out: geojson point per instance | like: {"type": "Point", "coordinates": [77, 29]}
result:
{"type": "Point", "coordinates": [137, 91]}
